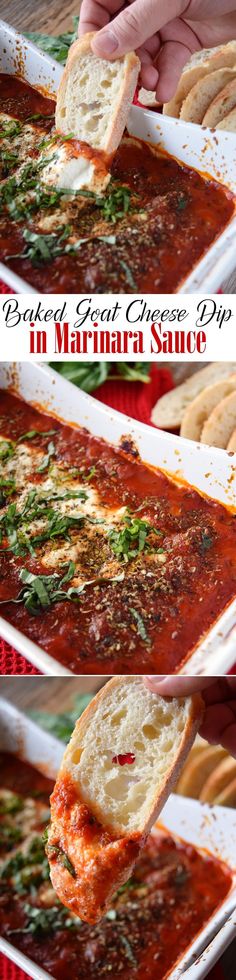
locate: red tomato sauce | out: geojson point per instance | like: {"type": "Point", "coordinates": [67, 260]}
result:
{"type": "Point", "coordinates": [173, 892]}
{"type": "Point", "coordinates": [174, 215]}
{"type": "Point", "coordinates": [151, 616]}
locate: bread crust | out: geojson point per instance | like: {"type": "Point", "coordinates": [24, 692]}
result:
{"type": "Point", "coordinates": [131, 62]}
{"type": "Point", "coordinates": [196, 105]}
{"type": "Point", "coordinates": [193, 724]}
{"type": "Point", "coordinates": [221, 106]}
{"type": "Point", "coordinates": [201, 64]}
{"type": "Point", "coordinates": [170, 409]}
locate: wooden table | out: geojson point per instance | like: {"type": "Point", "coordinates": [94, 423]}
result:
{"type": "Point", "coordinates": [50, 18]}
{"type": "Point", "coordinates": [54, 694]}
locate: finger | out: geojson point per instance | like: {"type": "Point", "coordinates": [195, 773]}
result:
{"type": "Point", "coordinates": [149, 77]}
{"type": "Point", "coordinates": [219, 726]}
{"type": "Point", "coordinates": [176, 687]}
{"type": "Point", "coordinates": [131, 29]}
{"type": "Point", "coordinates": [94, 15]}
{"type": "Point", "coordinates": [150, 48]}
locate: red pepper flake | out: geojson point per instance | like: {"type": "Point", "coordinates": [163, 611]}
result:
{"type": "Point", "coordinates": [123, 760]}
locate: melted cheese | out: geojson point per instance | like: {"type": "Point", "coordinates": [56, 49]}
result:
{"type": "Point", "coordinates": [87, 545]}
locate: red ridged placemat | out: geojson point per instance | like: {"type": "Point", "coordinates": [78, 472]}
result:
{"type": "Point", "coordinates": [8, 971]}
{"type": "Point", "coordinates": [136, 400]}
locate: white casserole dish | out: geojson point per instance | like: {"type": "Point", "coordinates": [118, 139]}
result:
{"type": "Point", "coordinates": [210, 828]}
{"type": "Point", "coordinates": [211, 471]}
{"type": "Point", "coordinates": [214, 154]}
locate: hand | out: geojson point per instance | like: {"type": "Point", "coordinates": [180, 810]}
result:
{"type": "Point", "coordinates": [219, 694]}
{"type": "Point", "coordinates": [163, 34]}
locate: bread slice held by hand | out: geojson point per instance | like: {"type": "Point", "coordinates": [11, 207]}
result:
{"type": "Point", "coordinates": [95, 95]}
{"type": "Point", "coordinates": [122, 762]}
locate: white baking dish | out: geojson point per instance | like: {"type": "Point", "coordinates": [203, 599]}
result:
{"type": "Point", "coordinates": [211, 828]}
{"type": "Point", "coordinates": [211, 471]}
{"type": "Point", "coordinates": [190, 144]}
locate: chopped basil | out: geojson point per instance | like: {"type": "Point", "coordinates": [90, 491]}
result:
{"type": "Point", "coordinates": [128, 950]}
{"type": "Point", "coordinates": [40, 591]}
{"type": "Point", "coordinates": [7, 449]}
{"type": "Point", "coordinates": [62, 857]}
{"type": "Point", "coordinates": [115, 204]}
{"type": "Point", "coordinates": [47, 458]}
{"type": "Point", "coordinates": [206, 542]}
{"type": "Point", "coordinates": [132, 539]}
{"type": "Point", "coordinates": [140, 625]}
{"type": "Point", "coordinates": [128, 275]}
{"type": "Point", "coordinates": [10, 129]}
{"type": "Point", "coordinates": [33, 433]}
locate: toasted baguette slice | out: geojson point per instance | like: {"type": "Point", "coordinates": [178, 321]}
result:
{"type": "Point", "coordinates": [221, 423]}
{"type": "Point", "coordinates": [218, 780]}
{"type": "Point", "coordinates": [201, 96]}
{"type": "Point", "coordinates": [200, 64]}
{"type": "Point", "coordinates": [123, 759]}
{"type": "Point", "coordinates": [202, 406]}
{"type": "Point", "coordinates": [229, 122]}
{"type": "Point", "coordinates": [94, 96]}
{"type": "Point", "coordinates": [228, 795]}
{"type": "Point", "coordinates": [198, 769]}
{"type": "Point", "coordinates": [224, 102]}
{"type": "Point", "coordinates": [169, 411]}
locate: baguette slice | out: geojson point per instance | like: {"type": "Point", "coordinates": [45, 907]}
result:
{"type": "Point", "coordinates": [122, 761]}
{"type": "Point", "coordinates": [221, 106]}
{"type": "Point", "coordinates": [220, 424]}
{"type": "Point", "coordinates": [218, 780]}
{"type": "Point", "coordinates": [202, 94]}
{"type": "Point", "coordinates": [229, 122]}
{"type": "Point", "coordinates": [199, 769]}
{"type": "Point", "coordinates": [95, 95]}
{"type": "Point", "coordinates": [169, 411]}
{"type": "Point", "coordinates": [201, 407]}
{"type": "Point", "coordinates": [200, 64]}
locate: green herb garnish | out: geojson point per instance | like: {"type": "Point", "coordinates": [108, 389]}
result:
{"type": "Point", "coordinates": [140, 624]}
{"type": "Point", "coordinates": [132, 539]}
{"type": "Point", "coordinates": [62, 857]}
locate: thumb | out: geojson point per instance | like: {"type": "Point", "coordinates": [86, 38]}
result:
{"type": "Point", "coordinates": [138, 22]}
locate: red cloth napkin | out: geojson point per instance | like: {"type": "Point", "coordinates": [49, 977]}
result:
{"type": "Point", "coordinates": [8, 971]}
{"type": "Point", "coordinates": [134, 399]}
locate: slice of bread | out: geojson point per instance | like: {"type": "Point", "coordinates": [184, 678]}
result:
{"type": "Point", "coordinates": [229, 122]}
{"type": "Point", "coordinates": [169, 411]}
{"type": "Point", "coordinates": [220, 424]}
{"type": "Point", "coordinates": [200, 64]}
{"type": "Point", "coordinates": [199, 769]}
{"type": "Point", "coordinates": [95, 95]}
{"type": "Point", "coordinates": [195, 106]}
{"type": "Point", "coordinates": [221, 105]}
{"type": "Point", "coordinates": [202, 406]}
{"type": "Point", "coordinates": [218, 780]}
{"type": "Point", "coordinates": [122, 762]}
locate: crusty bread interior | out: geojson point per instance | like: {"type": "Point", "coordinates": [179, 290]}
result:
{"type": "Point", "coordinates": [95, 95]}
{"type": "Point", "coordinates": [126, 718]}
